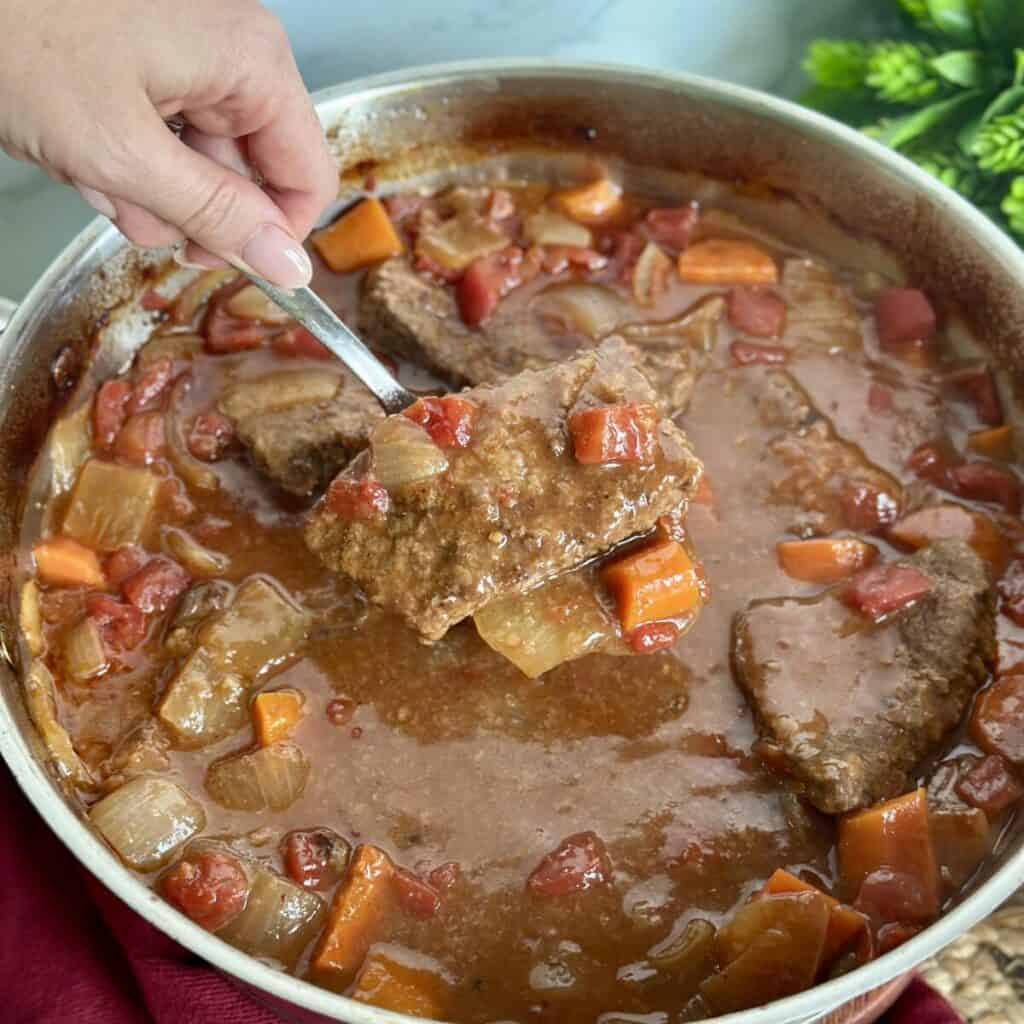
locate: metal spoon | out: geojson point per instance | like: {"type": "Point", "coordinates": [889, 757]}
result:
{"type": "Point", "coordinates": [305, 306]}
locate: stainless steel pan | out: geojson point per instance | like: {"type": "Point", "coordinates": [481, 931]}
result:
{"type": "Point", "coordinates": [562, 117]}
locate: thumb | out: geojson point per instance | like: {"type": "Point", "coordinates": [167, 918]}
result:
{"type": "Point", "coordinates": [214, 206]}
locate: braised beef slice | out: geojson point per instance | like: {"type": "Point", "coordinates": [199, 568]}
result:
{"type": "Point", "coordinates": [514, 508]}
{"type": "Point", "coordinates": [850, 708]}
{"type": "Point", "coordinates": [417, 318]}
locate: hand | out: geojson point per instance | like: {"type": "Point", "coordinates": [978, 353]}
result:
{"type": "Point", "coordinates": [86, 87]}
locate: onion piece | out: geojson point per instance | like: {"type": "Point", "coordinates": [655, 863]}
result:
{"type": "Point", "coordinates": [697, 327]}
{"type": "Point", "coordinates": [111, 505]}
{"type": "Point", "coordinates": [84, 655]}
{"type": "Point", "coordinates": [197, 293]}
{"type": "Point", "coordinates": [590, 309]}
{"type": "Point", "coordinates": [818, 307]}
{"type": "Point", "coordinates": [279, 390]}
{"type": "Point", "coordinates": [195, 473]}
{"type": "Point", "coordinates": [41, 701]}
{"type": "Point", "coordinates": [147, 821]}
{"type": "Point", "coordinates": [267, 778]}
{"type": "Point", "coordinates": [203, 703]}
{"type": "Point", "coordinates": [279, 920]}
{"type": "Point", "coordinates": [558, 621]}
{"type": "Point", "coordinates": [546, 227]}
{"type": "Point", "coordinates": [69, 445]}
{"type": "Point", "coordinates": [650, 275]}
{"type": "Point", "coordinates": [199, 603]}
{"type": "Point", "coordinates": [199, 561]}
{"type": "Point", "coordinates": [30, 619]}
{"type": "Point", "coordinates": [253, 304]}
{"type": "Point", "coordinates": [178, 346]}
{"type": "Point", "coordinates": [403, 453]}
{"type": "Point", "coordinates": [456, 243]}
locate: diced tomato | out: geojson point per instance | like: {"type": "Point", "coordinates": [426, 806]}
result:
{"type": "Point", "coordinates": [142, 439]}
{"type": "Point", "coordinates": [156, 586]}
{"type": "Point", "coordinates": [225, 333]}
{"type": "Point", "coordinates": [578, 863]}
{"type": "Point", "coordinates": [672, 226]}
{"type": "Point", "coordinates": [448, 420]}
{"type": "Point", "coordinates": [122, 626]}
{"type": "Point", "coordinates": [745, 353]}
{"type": "Point", "coordinates": [902, 315]}
{"type": "Point", "coordinates": [295, 342]}
{"type": "Point", "coordinates": [315, 858]}
{"type": "Point", "coordinates": [558, 258]}
{"type": "Point", "coordinates": [615, 433]}
{"type": "Point", "coordinates": [887, 895]}
{"type": "Point", "coordinates": [210, 888]}
{"type": "Point", "coordinates": [150, 386]}
{"type": "Point", "coordinates": [623, 248]}
{"type": "Point", "coordinates": [153, 302]}
{"type": "Point", "coordinates": [952, 521]}
{"type": "Point", "coordinates": [880, 400]}
{"type": "Point", "coordinates": [414, 896]}
{"type": "Point", "coordinates": [124, 562]}
{"type": "Point", "coordinates": [1011, 593]}
{"type": "Point", "coordinates": [985, 481]}
{"type": "Point", "coordinates": [653, 636]}
{"type": "Point", "coordinates": [340, 710]}
{"type": "Point", "coordinates": [755, 311]}
{"type": "Point", "coordinates": [997, 719]}
{"type": "Point", "coordinates": [866, 508]}
{"type": "Point", "coordinates": [485, 282]}
{"type": "Point", "coordinates": [358, 499]}
{"type": "Point", "coordinates": [977, 385]}
{"type": "Point", "coordinates": [990, 785]}
{"type": "Point", "coordinates": [444, 876]}
{"type": "Point", "coordinates": [210, 436]}
{"type": "Point", "coordinates": [110, 410]}
{"type": "Point", "coordinates": [885, 589]}
{"type": "Point", "coordinates": [932, 461]}
{"type": "Point", "coordinates": [894, 934]}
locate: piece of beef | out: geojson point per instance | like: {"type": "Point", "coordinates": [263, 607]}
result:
{"type": "Point", "coordinates": [301, 426]}
{"type": "Point", "coordinates": [847, 708]}
{"type": "Point", "coordinates": [417, 318]}
{"type": "Point", "coordinates": [512, 508]}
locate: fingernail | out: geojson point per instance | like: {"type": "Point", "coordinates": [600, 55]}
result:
{"type": "Point", "coordinates": [275, 255]}
{"type": "Point", "coordinates": [97, 200]}
{"type": "Point", "coordinates": [186, 256]}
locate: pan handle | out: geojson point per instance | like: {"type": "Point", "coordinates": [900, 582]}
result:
{"type": "Point", "coordinates": [7, 308]}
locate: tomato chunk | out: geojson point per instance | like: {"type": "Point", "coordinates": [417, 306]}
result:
{"type": "Point", "coordinates": [110, 410]}
{"type": "Point", "coordinates": [448, 420]}
{"type": "Point", "coordinates": [615, 433]}
{"type": "Point", "coordinates": [977, 385]}
{"type": "Point", "coordinates": [885, 589]}
{"type": "Point", "coordinates": [997, 721]}
{"type": "Point", "coordinates": [894, 934]}
{"type": "Point", "coordinates": [672, 226]}
{"type": "Point", "coordinates": [887, 895]}
{"type": "Point", "coordinates": [357, 499]}
{"type": "Point", "coordinates": [225, 333]}
{"type": "Point", "coordinates": [124, 562]}
{"type": "Point", "coordinates": [486, 282]}
{"type": "Point", "coordinates": [142, 439]}
{"type": "Point", "coordinates": [990, 785]}
{"type": "Point", "coordinates": [745, 353]}
{"type": "Point", "coordinates": [578, 863]}
{"type": "Point", "coordinates": [938, 522]}
{"type": "Point", "coordinates": [415, 897]}
{"type": "Point", "coordinates": [653, 636]}
{"type": "Point", "coordinates": [902, 315]}
{"type": "Point", "coordinates": [156, 586]}
{"type": "Point", "coordinates": [984, 481]}
{"type": "Point", "coordinates": [122, 626]}
{"type": "Point", "coordinates": [295, 342]}
{"type": "Point", "coordinates": [151, 385]}
{"type": "Point", "coordinates": [210, 436]}
{"type": "Point", "coordinates": [756, 312]}
{"type": "Point", "coordinates": [933, 461]}
{"type": "Point", "coordinates": [315, 858]}
{"type": "Point", "coordinates": [210, 888]}
{"type": "Point", "coordinates": [866, 508]}
{"type": "Point", "coordinates": [444, 876]}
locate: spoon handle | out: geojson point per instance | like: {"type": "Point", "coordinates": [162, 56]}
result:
{"type": "Point", "coordinates": [322, 322]}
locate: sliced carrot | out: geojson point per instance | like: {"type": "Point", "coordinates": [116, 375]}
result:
{"type": "Point", "coordinates": [949, 521]}
{"type": "Point", "coordinates": [996, 442]}
{"type": "Point", "coordinates": [843, 923]}
{"type": "Point", "coordinates": [362, 236]}
{"type": "Point", "coordinates": [357, 912]}
{"type": "Point", "coordinates": [275, 715]}
{"type": "Point", "coordinates": [660, 581]}
{"type": "Point", "coordinates": [594, 203]}
{"type": "Point", "coordinates": [66, 563]}
{"type": "Point", "coordinates": [824, 559]}
{"type": "Point", "coordinates": [393, 985]}
{"type": "Point", "coordinates": [726, 261]}
{"type": "Point", "coordinates": [895, 835]}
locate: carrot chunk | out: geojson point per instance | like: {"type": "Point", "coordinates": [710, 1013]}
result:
{"type": "Point", "coordinates": [996, 442]}
{"type": "Point", "coordinates": [726, 261]}
{"type": "Point", "coordinates": [356, 913]}
{"type": "Point", "coordinates": [660, 581]}
{"type": "Point", "coordinates": [393, 985]}
{"type": "Point", "coordinates": [275, 715]}
{"type": "Point", "coordinates": [66, 563]}
{"type": "Point", "coordinates": [614, 433]}
{"type": "Point", "coordinates": [825, 559]}
{"type": "Point", "coordinates": [362, 236]}
{"type": "Point", "coordinates": [938, 522]}
{"type": "Point", "coordinates": [594, 203]}
{"type": "Point", "coordinates": [892, 835]}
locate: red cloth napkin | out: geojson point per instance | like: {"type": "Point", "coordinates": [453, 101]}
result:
{"type": "Point", "coordinates": [72, 953]}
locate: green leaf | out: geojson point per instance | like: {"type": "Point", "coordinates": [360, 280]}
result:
{"type": "Point", "coordinates": [854, 108]}
{"type": "Point", "coordinates": [1000, 22]}
{"type": "Point", "coordinates": [1007, 100]}
{"type": "Point", "coordinates": [965, 68]}
{"type": "Point", "coordinates": [1018, 67]}
{"type": "Point", "coordinates": [954, 18]}
{"type": "Point", "coordinates": [902, 130]}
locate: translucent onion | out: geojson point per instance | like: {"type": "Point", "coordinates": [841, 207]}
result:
{"type": "Point", "coordinates": [697, 327]}
{"type": "Point", "coordinates": [200, 602]}
{"type": "Point", "coordinates": [70, 441]}
{"type": "Point", "coordinates": [40, 699]}
{"type": "Point", "coordinates": [30, 618]}
{"type": "Point", "coordinates": [590, 309]}
{"type": "Point", "coordinates": [252, 304]}
{"type": "Point", "coordinates": [404, 453]}
{"type": "Point", "coordinates": [199, 561]}
{"type": "Point", "coordinates": [456, 243]}
{"type": "Point", "coordinates": [819, 309]}
{"type": "Point", "coordinates": [203, 703]}
{"type": "Point", "coordinates": [111, 505]}
{"type": "Point", "coordinates": [546, 227]}
{"type": "Point", "coordinates": [279, 390]}
{"type": "Point", "coordinates": [178, 347]}
{"type": "Point", "coordinates": [687, 956]}
{"type": "Point", "coordinates": [267, 778]}
{"type": "Point", "coordinates": [556, 622]}
{"type": "Point", "coordinates": [195, 473]}
{"type": "Point", "coordinates": [197, 293]}
{"type": "Point", "coordinates": [84, 655]}
{"type": "Point", "coordinates": [147, 821]}
{"type": "Point", "coordinates": [279, 920]}
{"type": "Point", "coordinates": [650, 274]}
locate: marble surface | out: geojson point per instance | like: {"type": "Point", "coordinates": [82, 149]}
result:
{"type": "Point", "coordinates": [755, 42]}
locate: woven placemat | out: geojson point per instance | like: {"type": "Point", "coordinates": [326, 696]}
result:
{"type": "Point", "coordinates": [982, 973]}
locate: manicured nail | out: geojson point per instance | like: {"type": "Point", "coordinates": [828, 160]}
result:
{"type": "Point", "coordinates": [189, 256]}
{"type": "Point", "coordinates": [97, 200]}
{"type": "Point", "coordinates": [275, 255]}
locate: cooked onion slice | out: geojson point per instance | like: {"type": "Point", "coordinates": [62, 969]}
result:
{"type": "Point", "coordinates": [195, 473]}
{"type": "Point", "coordinates": [590, 309]}
{"type": "Point", "coordinates": [29, 617]}
{"type": "Point", "coordinates": [268, 778]}
{"type": "Point", "coordinates": [84, 656]}
{"type": "Point", "coordinates": [252, 304]}
{"type": "Point", "coordinates": [546, 227]}
{"type": "Point", "coordinates": [69, 446]}
{"type": "Point", "coordinates": [456, 243]}
{"type": "Point", "coordinates": [197, 293]}
{"type": "Point", "coordinates": [404, 453]}
{"type": "Point", "coordinates": [40, 699]}
{"type": "Point", "coordinates": [650, 275]}
{"type": "Point", "coordinates": [198, 560]}
{"type": "Point", "coordinates": [204, 703]}
{"type": "Point", "coordinates": [147, 821]}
